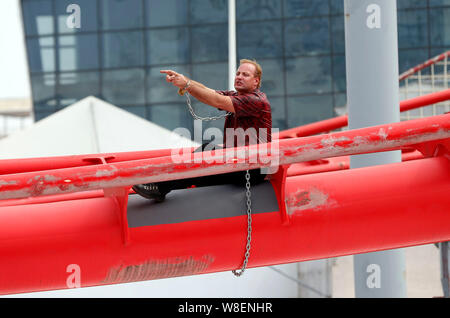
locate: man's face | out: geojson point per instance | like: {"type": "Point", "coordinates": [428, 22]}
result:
{"type": "Point", "coordinates": [245, 80]}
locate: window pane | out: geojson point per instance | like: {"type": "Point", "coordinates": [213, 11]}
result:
{"type": "Point", "coordinates": [340, 103]}
{"type": "Point", "coordinates": [307, 37]}
{"type": "Point", "coordinates": [339, 73]}
{"type": "Point", "coordinates": [278, 112]}
{"type": "Point", "coordinates": [411, 58]}
{"type": "Point", "coordinates": [308, 75]}
{"type": "Point", "coordinates": [158, 90]}
{"type": "Point", "coordinates": [403, 4]}
{"type": "Point", "coordinates": [259, 40]}
{"type": "Point", "coordinates": [210, 43]}
{"type": "Point", "coordinates": [119, 14]}
{"type": "Point", "coordinates": [64, 102]}
{"type": "Point", "coordinates": [438, 51]}
{"type": "Point", "coordinates": [213, 75]}
{"type": "Point", "coordinates": [43, 91]}
{"type": "Point", "coordinates": [257, 10]}
{"type": "Point", "coordinates": [170, 116]}
{"type": "Point", "coordinates": [338, 34]}
{"type": "Point", "coordinates": [168, 46]}
{"type": "Point", "coordinates": [78, 52]}
{"type": "Point", "coordinates": [88, 15]}
{"type": "Point", "coordinates": [140, 111]}
{"type": "Point", "coordinates": [439, 3]}
{"type": "Point", "coordinates": [38, 17]}
{"type": "Point", "coordinates": [440, 26]}
{"type": "Point", "coordinates": [123, 49]}
{"type": "Point", "coordinates": [309, 109]}
{"type": "Point", "coordinates": [412, 29]}
{"type": "Point", "coordinates": [41, 115]}
{"type": "Point", "coordinates": [207, 11]}
{"type": "Point", "coordinates": [337, 6]}
{"type": "Point", "coordinates": [78, 85]}
{"type": "Point", "coordinates": [124, 87]}
{"type": "Point", "coordinates": [166, 13]}
{"type": "Point", "coordinates": [296, 8]}
{"type": "Point", "coordinates": [41, 54]}
{"type": "Point", "coordinates": [273, 78]}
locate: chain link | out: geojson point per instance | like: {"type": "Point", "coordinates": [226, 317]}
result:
{"type": "Point", "coordinates": [191, 110]}
{"type": "Point", "coordinates": [249, 226]}
{"type": "Point", "coordinates": [239, 272]}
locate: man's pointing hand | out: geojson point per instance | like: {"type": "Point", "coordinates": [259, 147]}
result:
{"type": "Point", "coordinates": [176, 79]}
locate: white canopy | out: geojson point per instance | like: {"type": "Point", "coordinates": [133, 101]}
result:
{"type": "Point", "coordinates": [86, 127]}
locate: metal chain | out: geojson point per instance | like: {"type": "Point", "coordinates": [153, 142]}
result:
{"type": "Point", "coordinates": [238, 273]}
{"type": "Point", "coordinates": [191, 110]}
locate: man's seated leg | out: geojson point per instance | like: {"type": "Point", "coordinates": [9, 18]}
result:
{"type": "Point", "coordinates": [159, 190]}
{"type": "Point", "coordinates": [150, 191]}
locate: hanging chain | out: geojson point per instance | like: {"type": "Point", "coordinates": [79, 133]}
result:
{"type": "Point", "coordinates": [191, 110]}
{"type": "Point", "coordinates": [238, 273]}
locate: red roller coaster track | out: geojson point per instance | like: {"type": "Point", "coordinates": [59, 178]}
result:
{"type": "Point", "coordinates": [56, 220]}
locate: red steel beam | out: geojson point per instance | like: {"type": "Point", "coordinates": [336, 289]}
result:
{"type": "Point", "coordinates": [122, 174]}
{"type": "Point", "coordinates": [342, 121]}
{"type": "Point", "coordinates": [424, 100]}
{"type": "Point", "coordinates": [44, 246]}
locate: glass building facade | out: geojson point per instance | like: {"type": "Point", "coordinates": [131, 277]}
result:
{"type": "Point", "coordinates": [121, 45]}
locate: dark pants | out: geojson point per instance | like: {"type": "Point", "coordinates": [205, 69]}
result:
{"type": "Point", "coordinates": [237, 178]}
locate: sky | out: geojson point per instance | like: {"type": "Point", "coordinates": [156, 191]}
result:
{"type": "Point", "coordinates": [14, 79]}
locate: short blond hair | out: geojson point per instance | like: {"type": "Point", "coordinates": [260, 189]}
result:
{"type": "Point", "coordinates": [258, 69]}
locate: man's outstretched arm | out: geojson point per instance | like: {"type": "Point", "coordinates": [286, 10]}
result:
{"type": "Point", "coordinates": [199, 91]}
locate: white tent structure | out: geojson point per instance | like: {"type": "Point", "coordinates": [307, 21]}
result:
{"type": "Point", "coordinates": [86, 127]}
{"type": "Point", "coordinates": [94, 126]}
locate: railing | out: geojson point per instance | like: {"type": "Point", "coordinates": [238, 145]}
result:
{"type": "Point", "coordinates": [428, 77]}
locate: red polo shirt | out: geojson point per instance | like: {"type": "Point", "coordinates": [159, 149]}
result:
{"type": "Point", "coordinates": [253, 114]}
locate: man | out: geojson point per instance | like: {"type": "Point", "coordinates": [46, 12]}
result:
{"type": "Point", "coordinates": [249, 112]}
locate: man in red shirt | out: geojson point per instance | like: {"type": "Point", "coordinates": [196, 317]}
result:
{"type": "Point", "coordinates": [250, 112]}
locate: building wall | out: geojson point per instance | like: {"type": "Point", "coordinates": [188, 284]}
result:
{"type": "Point", "coordinates": [121, 45]}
